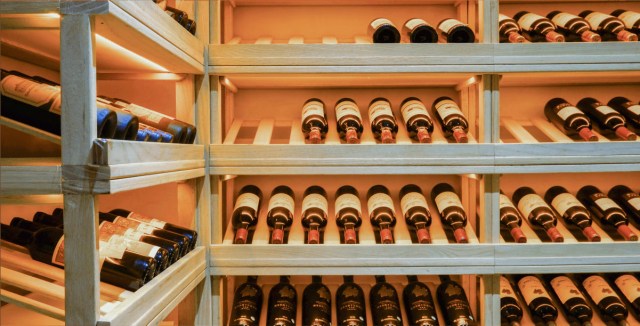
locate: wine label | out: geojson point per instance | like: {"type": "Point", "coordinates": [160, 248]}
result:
{"type": "Point", "coordinates": [635, 109]}
{"type": "Point", "coordinates": [28, 91]}
{"type": "Point", "coordinates": [312, 108]}
{"type": "Point", "coordinates": [531, 288]}
{"type": "Point", "coordinates": [502, 17]}
{"type": "Point", "coordinates": [595, 19]}
{"type": "Point", "coordinates": [563, 18]}
{"type": "Point", "coordinates": [447, 199]}
{"type": "Point", "coordinates": [282, 200]}
{"type": "Point", "coordinates": [413, 199]}
{"type": "Point", "coordinates": [111, 245]}
{"type": "Point", "coordinates": [446, 108]}
{"type": "Point", "coordinates": [449, 24]}
{"type": "Point", "coordinates": [606, 110]}
{"type": "Point", "coordinates": [527, 20]}
{"type": "Point", "coordinates": [415, 22]}
{"type": "Point", "coordinates": [598, 288]}
{"type": "Point", "coordinates": [133, 224]}
{"type": "Point", "coordinates": [380, 22]}
{"type": "Point", "coordinates": [141, 248]}
{"type": "Point", "coordinates": [505, 202]}
{"type": "Point", "coordinates": [530, 202]}
{"type": "Point", "coordinates": [247, 199]}
{"type": "Point", "coordinates": [564, 201]}
{"type": "Point", "coordinates": [345, 108]}
{"type": "Point", "coordinates": [629, 286]}
{"type": "Point", "coordinates": [144, 114]}
{"type": "Point", "coordinates": [133, 234]}
{"type": "Point", "coordinates": [379, 108]}
{"type": "Point", "coordinates": [565, 289]}
{"type": "Point", "coordinates": [606, 203]}
{"type": "Point", "coordinates": [146, 219]}
{"type": "Point", "coordinates": [629, 18]}
{"type": "Point", "coordinates": [379, 200]}
{"type": "Point", "coordinates": [412, 108]}
{"type": "Point", "coordinates": [568, 111]}
{"type": "Point", "coordinates": [348, 200]}
{"type": "Point", "coordinates": [315, 201]}
{"type": "Point", "coordinates": [58, 253]}
{"type": "Point", "coordinates": [505, 288]}
{"type": "Point", "coordinates": [634, 202]}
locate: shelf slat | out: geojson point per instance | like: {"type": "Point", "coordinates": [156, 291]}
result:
{"type": "Point", "coordinates": [28, 177]}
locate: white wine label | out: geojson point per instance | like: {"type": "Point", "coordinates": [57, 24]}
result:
{"type": "Point", "coordinates": [56, 104]}
{"type": "Point", "coordinates": [379, 200]}
{"type": "Point", "coordinates": [505, 202]}
{"type": "Point", "coordinates": [111, 245]}
{"type": "Point", "coordinates": [595, 19]}
{"type": "Point", "coordinates": [132, 234]}
{"type": "Point", "coordinates": [564, 201]}
{"type": "Point", "coordinates": [449, 24]}
{"type": "Point", "coordinates": [413, 23]}
{"type": "Point", "coordinates": [247, 200]}
{"type": "Point", "coordinates": [527, 20]}
{"type": "Point", "coordinates": [568, 111]}
{"type": "Point", "coordinates": [635, 202]}
{"type": "Point", "coordinates": [635, 109]}
{"type": "Point", "coordinates": [145, 228]}
{"type": "Point", "coordinates": [605, 109]}
{"type": "Point", "coordinates": [530, 202]}
{"type": "Point", "coordinates": [348, 201]}
{"type": "Point", "coordinates": [531, 288]}
{"type": "Point", "coordinates": [629, 286]}
{"type": "Point", "coordinates": [142, 248]}
{"type": "Point", "coordinates": [315, 201]}
{"type": "Point", "coordinates": [446, 108]}
{"type": "Point", "coordinates": [312, 108]}
{"type": "Point", "coordinates": [629, 18]}
{"type": "Point", "coordinates": [144, 114]}
{"type": "Point", "coordinates": [565, 288]}
{"type": "Point", "coordinates": [502, 17]}
{"type": "Point", "coordinates": [505, 288]}
{"type": "Point", "coordinates": [345, 108]}
{"type": "Point", "coordinates": [146, 219]}
{"type": "Point", "coordinates": [379, 108]}
{"type": "Point", "coordinates": [413, 199]}
{"type": "Point", "coordinates": [563, 18]}
{"type": "Point", "coordinates": [380, 22]}
{"type": "Point", "coordinates": [606, 203]}
{"type": "Point", "coordinates": [598, 288]}
{"type": "Point", "coordinates": [282, 200]}
{"type": "Point", "coordinates": [412, 108]}
{"type": "Point", "coordinates": [28, 91]}
{"type": "Point", "coordinates": [447, 199]}
{"type": "Point", "coordinates": [58, 253]}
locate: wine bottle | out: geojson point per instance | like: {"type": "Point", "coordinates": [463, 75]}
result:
{"type": "Point", "coordinates": [538, 300]}
{"type": "Point", "coordinates": [190, 234]}
{"type": "Point", "coordinates": [171, 248]}
{"type": "Point", "coordinates": [609, 27]}
{"type": "Point", "coordinates": [451, 119]}
{"type": "Point", "coordinates": [245, 212]}
{"type": "Point", "coordinates": [511, 218]}
{"type": "Point", "coordinates": [627, 199]}
{"type": "Point", "coordinates": [385, 305]}
{"type": "Point", "coordinates": [628, 109]}
{"type": "Point", "coordinates": [454, 303]}
{"type": "Point", "coordinates": [418, 303]}
{"type": "Point", "coordinates": [628, 287]}
{"type": "Point", "coordinates": [350, 304]}
{"type": "Point", "coordinates": [510, 310]}
{"type": "Point", "coordinates": [607, 301]}
{"type": "Point", "coordinates": [509, 30]}
{"type": "Point", "coordinates": [571, 210]}
{"type": "Point", "coordinates": [383, 122]}
{"type": "Point", "coordinates": [114, 246]}
{"type": "Point", "coordinates": [607, 120]}
{"type": "Point", "coordinates": [382, 30]}
{"type": "Point", "coordinates": [606, 211]}
{"type": "Point", "coordinates": [536, 28]}
{"type": "Point", "coordinates": [455, 31]}
{"type": "Point", "coordinates": [142, 135]}
{"type": "Point", "coordinates": [537, 212]}
{"type": "Point", "coordinates": [19, 222]}
{"type": "Point", "coordinates": [157, 134]}
{"type": "Point", "coordinates": [381, 212]}
{"type": "Point", "coordinates": [314, 121]}
{"type": "Point", "coordinates": [128, 124]}
{"type": "Point", "coordinates": [190, 25]}
{"type": "Point", "coordinates": [573, 302]}
{"type": "Point", "coordinates": [280, 213]}
{"type": "Point", "coordinates": [177, 14]}
{"type": "Point", "coordinates": [316, 303]}
{"type": "Point", "coordinates": [161, 3]}
{"type": "Point", "coordinates": [247, 304]}
{"type": "Point", "coordinates": [348, 213]}
{"type": "Point", "coordinates": [417, 30]}
{"type": "Point", "coordinates": [451, 211]}
{"type": "Point", "coordinates": [631, 19]}
{"type": "Point", "coordinates": [349, 120]}
{"type": "Point", "coordinates": [416, 211]}
{"type": "Point", "coordinates": [46, 219]}
{"type": "Point", "coordinates": [315, 209]}
{"type": "Point", "coordinates": [417, 119]}
{"type": "Point", "coordinates": [574, 28]}
{"type": "Point", "coordinates": [569, 119]}
{"type": "Point", "coordinates": [282, 305]}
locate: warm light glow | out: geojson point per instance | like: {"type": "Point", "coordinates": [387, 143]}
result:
{"type": "Point", "coordinates": [227, 83]}
{"type": "Point", "coordinates": [52, 15]}
{"type": "Point", "coordinates": [132, 55]}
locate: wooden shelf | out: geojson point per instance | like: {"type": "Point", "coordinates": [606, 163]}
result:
{"type": "Point", "coordinates": [30, 176]}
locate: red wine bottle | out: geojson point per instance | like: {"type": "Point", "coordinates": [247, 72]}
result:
{"type": "Point", "coordinates": [348, 213]}
{"type": "Point", "coordinates": [455, 31]}
{"type": "Point", "coordinates": [418, 303]}
{"type": "Point", "coordinates": [573, 302]}
{"type": "Point", "coordinates": [128, 124]}
{"type": "Point", "coordinates": [191, 234]}
{"type": "Point", "coordinates": [454, 303]}
{"type": "Point", "coordinates": [417, 30]}
{"type": "Point", "coordinates": [314, 121]}
{"type": "Point", "coordinates": [417, 119]}
{"type": "Point", "coordinates": [607, 120]}
{"type": "Point", "coordinates": [536, 28]}
{"type": "Point", "coordinates": [631, 19]}
{"type": "Point", "coordinates": [628, 109]}
{"type": "Point", "coordinates": [350, 304]}
{"type": "Point", "coordinates": [19, 222]}
{"type": "Point", "coordinates": [537, 212]}
{"type": "Point", "coordinates": [538, 299]}
{"type": "Point", "coordinates": [245, 212]}
{"type": "Point", "coordinates": [510, 310]}
{"type": "Point", "coordinates": [606, 211]}
{"type": "Point", "coordinates": [247, 304]}
{"type": "Point", "coordinates": [111, 245]}
{"type": "Point", "coordinates": [569, 119]}
{"type": "Point", "coordinates": [628, 287]}
{"type": "Point", "coordinates": [608, 303]}
{"type": "Point", "coordinates": [159, 255]}
{"type": "Point", "coordinates": [142, 135]}
{"type": "Point", "coordinates": [574, 28]}
{"type": "Point", "coordinates": [416, 211]}
{"type": "Point", "coordinates": [177, 14]}
{"type": "Point", "coordinates": [511, 219]}
{"type": "Point", "coordinates": [509, 30]}
{"type": "Point", "coordinates": [282, 304]}
{"type": "Point", "coordinates": [156, 134]}
{"type": "Point", "coordinates": [627, 199]}
{"type": "Point", "coordinates": [315, 208]}
{"type": "Point", "coordinates": [316, 303]}
{"type": "Point", "coordinates": [349, 120]}
{"type": "Point", "coordinates": [571, 210]}
{"type": "Point", "coordinates": [451, 211]}
{"type": "Point", "coordinates": [609, 27]}
{"type": "Point", "coordinates": [383, 122]}
{"type": "Point", "coordinates": [382, 30]}
{"type": "Point", "coordinates": [280, 213]}
{"type": "Point", "coordinates": [172, 249]}
{"type": "Point", "coordinates": [190, 25]}
{"type": "Point", "coordinates": [451, 119]}
{"type": "Point", "coordinates": [381, 212]}
{"type": "Point", "coordinates": [385, 305]}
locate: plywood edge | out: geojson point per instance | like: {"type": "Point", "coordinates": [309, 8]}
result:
{"type": "Point", "coordinates": [114, 152]}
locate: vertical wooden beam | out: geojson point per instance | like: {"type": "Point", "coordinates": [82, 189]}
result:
{"type": "Point", "coordinates": [488, 21]}
{"type": "Point", "coordinates": [202, 14]}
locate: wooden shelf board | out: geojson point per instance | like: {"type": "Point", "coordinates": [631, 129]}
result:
{"type": "Point", "coordinates": [120, 152]}
{"type": "Point", "coordinates": [563, 268]}
{"type": "Point", "coordinates": [333, 2]}
{"type": "Point", "coordinates": [548, 254]}
{"type": "Point", "coordinates": [595, 78]}
{"type": "Point", "coordinates": [28, 7]}
{"type": "Point", "coordinates": [30, 176]}
{"type": "Point", "coordinates": [566, 168]}
{"type": "Point", "coordinates": [348, 270]}
{"type": "Point", "coordinates": [27, 129]}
